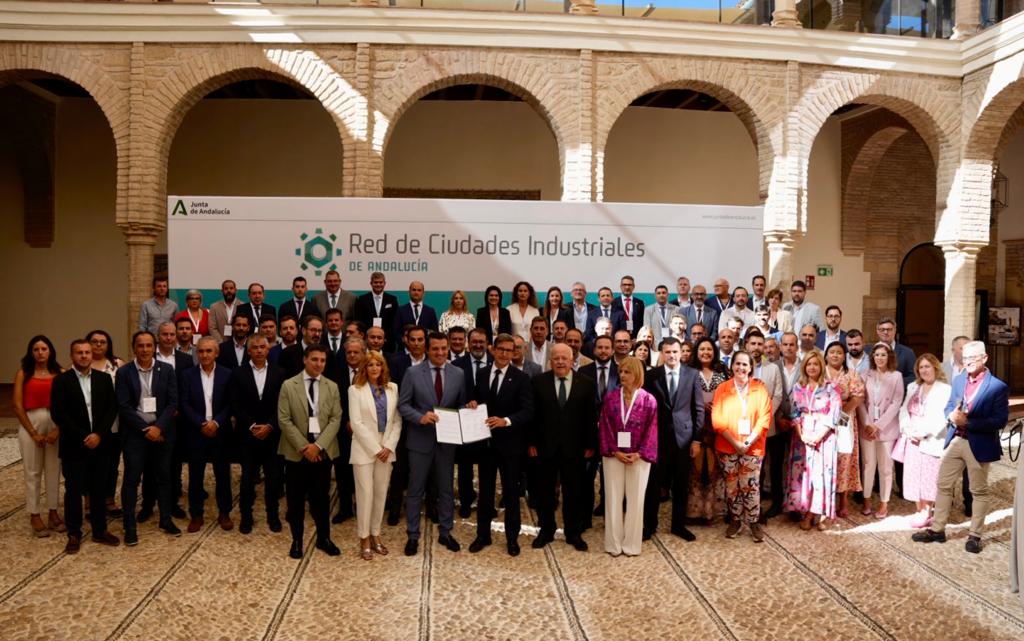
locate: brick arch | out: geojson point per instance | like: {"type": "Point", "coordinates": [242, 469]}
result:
{"type": "Point", "coordinates": [19, 62]}
{"type": "Point", "coordinates": [200, 74]}
{"type": "Point", "coordinates": [857, 187]}
{"type": "Point", "coordinates": [741, 89]}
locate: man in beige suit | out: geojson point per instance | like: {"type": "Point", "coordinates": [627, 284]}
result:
{"type": "Point", "coordinates": [309, 413]}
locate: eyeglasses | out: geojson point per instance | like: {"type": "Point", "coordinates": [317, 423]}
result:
{"type": "Point", "coordinates": [974, 359]}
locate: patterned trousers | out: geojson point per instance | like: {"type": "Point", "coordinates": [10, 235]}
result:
{"type": "Point", "coordinates": [742, 476]}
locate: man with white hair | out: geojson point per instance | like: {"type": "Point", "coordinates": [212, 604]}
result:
{"type": "Point", "coordinates": [977, 410]}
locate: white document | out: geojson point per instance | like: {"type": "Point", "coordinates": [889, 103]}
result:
{"type": "Point", "coordinates": [474, 424]}
{"type": "Point", "coordinates": [448, 426]}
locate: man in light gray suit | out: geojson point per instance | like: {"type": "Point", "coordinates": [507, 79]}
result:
{"type": "Point", "coordinates": [334, 297]}
{"type": "Point", "coordinates": [433, 383]}
{"type": "Point", "coordinates": [658, 316]}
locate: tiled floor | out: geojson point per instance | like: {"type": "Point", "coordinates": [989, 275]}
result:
{"type": "Point", "coordinates": [862, 579]}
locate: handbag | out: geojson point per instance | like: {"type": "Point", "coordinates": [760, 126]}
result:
{"type": "Point", "coordinates": [899, 451]}
{"type": "Point", "coordinates": [844, 435]}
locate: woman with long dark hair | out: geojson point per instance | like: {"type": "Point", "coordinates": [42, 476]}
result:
{"type": "Point", "coordinates": [707, 487]}
{"type": "Point", "coordinates": [38, 435]}
{"type": "Point", "coordinates": [492, 317]}
{"type": "Point", "coordinates": [523, 308]}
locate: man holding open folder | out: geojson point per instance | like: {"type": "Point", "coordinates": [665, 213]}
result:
{"type": "Point", "coordinates": [507, 394]}
{"type": "Point", "coordinates": [434, 383]}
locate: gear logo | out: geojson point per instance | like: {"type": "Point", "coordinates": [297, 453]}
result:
{"type": "Point", "coordinates": [318, 251]}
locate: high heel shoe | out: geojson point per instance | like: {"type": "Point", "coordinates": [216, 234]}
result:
{"type": "Point", "coordinates": [378, 547]}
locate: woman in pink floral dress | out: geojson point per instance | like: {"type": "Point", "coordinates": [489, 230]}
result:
{"type": "Point", "coordinates": [851, 390]}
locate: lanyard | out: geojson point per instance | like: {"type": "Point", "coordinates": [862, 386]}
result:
{"type": "Point", "coordinates": [622, 405]}
{"type": "Point", "coordinates": [195, 323]}
{"type": "Point", "coordinates": [742, 395]}
{"type": "Point", "coordinates": [312, 403]}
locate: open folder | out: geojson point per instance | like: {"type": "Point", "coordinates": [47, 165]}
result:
{"type": "Point", "coordinates": [463, 426]}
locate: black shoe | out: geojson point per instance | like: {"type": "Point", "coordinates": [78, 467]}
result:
{"type": "Point", "coordinates": [170, 528]}
{"type": "Point", "coordinates": [684, 533]}
{"type": "Point", "coordinates": [646, 536]}
{"type": "Point", "coordinates": [412, 546]}
{"type": "Point", "coordinates": [513, 548]}
{"type": "Point", "coordinates": [578, 543]}
{"type": "Point", "coordinates": [973, 544]}
{"type": "Point", "coordinates": [478, 544]}
{"type": "Point", "coordinates": [245, 526]}
{"type": "Point", "coordinates": [144, 515]}
{"type": "Point", "coordinates": [772, 512]}
{"type": "Point", "coordinates": [543, 538]}
{"type": "Point", "coordinates": [968, 511]}
{"type": "Point", "coordinates": [178, 513]}
{"type": "Point", "coordinates": [296, 550]}
{"type": "Point", "coordinates": [465, 510]}
{"type": "Point", "coordinates": [131, 538]}
{"type": "Point", "coordinates": [274, 523]}
{"type": "Point", "coordinates": [449, 542]}
{"type": "Point", "coordinates": [394, 518]}
{"type": "Point", "coordinates": [599, 510]}
{"type": "Point", "coordinates": [328, 547]}
{"type": "Point", "coordinates": [341, 517]}
{"type": "Point", "coordinates": [928, 536]}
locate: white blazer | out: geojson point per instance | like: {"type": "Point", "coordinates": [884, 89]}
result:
{"type": "Point", "coordinates": [930, 428]}
{"type": "Point", "coordinates": [366, 440]}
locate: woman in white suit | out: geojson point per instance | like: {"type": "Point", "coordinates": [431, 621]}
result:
{"type": "Point", "coordinates": [923, 426]}
{"type": "Point", "coordinates": [376, 425]}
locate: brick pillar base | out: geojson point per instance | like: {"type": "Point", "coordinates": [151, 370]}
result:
{"type": "Point", "coordinates": [780, 258]}
{"type": "Point", "coordinates": [140, 240]}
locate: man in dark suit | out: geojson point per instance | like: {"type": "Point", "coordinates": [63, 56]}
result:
{"type": "Point", "coordinates": [977, 410]}
{"type": "Point", "coordinates": [433, 383]}
{"type": "Point", "coordinates": [299, 305]}
{"type": "Point", "coordinates": [414, 353]}
{"type": "Point", "coordinates": [905, 358]}
{"type": "Point", "coordinates": [466, 456]}
{"type": "Point", "coordinates": [680, 414]}
{"type": "Point", "coordinates": [254, 390]}
{"type": "Point", "coordinates": [204, 404]}
{"type": "Point", "coordinates": [579, 307]}
{"type": "Point", "coordinates": [334, 297]}
{"type": "Point", "coordinates": [632, 308]}
{"type": "Point", "coordinates": [415, 312]}
{"type": "Point", "coordinates": [292, 358]}
{"type": "Point", "coordinates": [180, 361]}
{"type": "Point", "coordinates": [563, 435]}
{"type": "Point", "coordinates": [507, 393]}
{"type": "Point", "coordinates": [353, 353]}
{"type": "Point", "coordinates": [604, 310]}
{"type": "Point", "coordinates": [377, 308]}
{"type": "Point", "coordinates": [256, 310]}
{"type": "Point", "coordinates": [147, 398]}
{"type": "Point", "coordinates": [231, 353]}
{"type": "Point", "coordinates": [334, 338]}
{"type": "Point", "coordinates": [831, 333]}
{"type": "Point", "coordinates": [698, 312]}
{"type": "Point", "coordinates": [83, 408]}
{"type": "Point", "coordinates": [605, 374]}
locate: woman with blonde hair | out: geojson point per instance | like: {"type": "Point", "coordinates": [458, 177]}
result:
{"type": "Point", "coordinates": [376, 426]}
{"type": "Point", "coordinates": [923, 429]}
{"type": "Point", "coordinates": [457, 315]}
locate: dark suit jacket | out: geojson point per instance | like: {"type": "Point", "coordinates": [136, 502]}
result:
{"type": "Point", "coordinates": [266, 311]}
{"type": "Point", "coordinates": [164, 386]}
{"type": "Point", "coordinates": [987, 417]}
{"type": "Point", "coordinates": [226, 357]}
{"type": "Point", "coordinates": [248, 407]}
{"type": "Point", "coordinates": [685, 412]}
{"type": "Point", "coordinates": [366, 312]}
{"type": "Point", "coordinates": [572, 315]}
{"type": "Point", "coordinates": [70, 414]}
{"type": "Point", "coordinates": [618, 318]}
{"type": "Point", "coordinates": [291, 362]}
{"type": "Point", "coordinates": [193, 405]}
{"type": "Point", "coordinates": [288, 308]}
{"type": "Point", "coordinates": [483, 321]}
{"type": "Point", "coordinates": [398, 365]}
{"type": "Point", "coordinates": [709, 320]}
{"type": "Point", "coordinates": [820, 341]}
{"type": "Point", "coordinates": [715, 304]}
{"type": "Point", "coordinates": [465, 363]}
{"type": "Point", "coordinates": [416, 398]}
{"type": "Point", "coordinates": [905, 359]}
{"type": "Point", "coordinates": [514, 401]}
{"type": "Point", "coordinates": [590, 371]}
{"type": "Point", "coordinates": [566, 431]}
{"type": "Point", "coordinates": [637, 309]}
{"type": "Point", "coordinates": [563, 313]}
{"type": "Point", "coordinates": [404, 316]}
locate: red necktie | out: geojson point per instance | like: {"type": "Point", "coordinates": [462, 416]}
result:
{"type": "Point", "coordinates": [438, 390]}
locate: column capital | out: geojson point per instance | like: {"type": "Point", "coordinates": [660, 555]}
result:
{"type": "Point", "coordinates": [781, 237]}
{"type": "Point", "coordinates": [785, 15]}
{"type": "Point", "coordinates": [969, 249]}
{"type": "Point", "coordinates": [584, 7]}
{"type": "Point", "coordinates": [140, 233]}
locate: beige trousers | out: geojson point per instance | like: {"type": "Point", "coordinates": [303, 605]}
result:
{"type": "Point", "coordinates": [956, 457]}
{"type": "Point", "coordinates": [624, 535]}
{"type": "Point", "coordinates": [371, 491]}
{"type": "Point", "coordinates": [40, 463]}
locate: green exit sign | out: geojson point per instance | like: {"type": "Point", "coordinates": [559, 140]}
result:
{"type": "Point", "coordinates": [824, 270]}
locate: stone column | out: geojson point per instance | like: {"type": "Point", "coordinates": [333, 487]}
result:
{"type": "Point", "coordinates": [586, 7]}
{"type": "Point", "coordinates": [967, 21]}
{"type": "Point", "coordinates": [140, 239]}
{"type": "Point", "coordinates": [780, 257]}
{"type": "Point", "coordinates": [785, 14]}
{"type": "Point", "coordinates": [364, 3]}
{"type": "Point", "coordinates": [961, 277]}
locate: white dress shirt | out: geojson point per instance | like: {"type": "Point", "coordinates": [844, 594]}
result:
{"type": "Point", "coordinates": [207, 379]}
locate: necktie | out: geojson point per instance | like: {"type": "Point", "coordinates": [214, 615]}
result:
{"type": "Point", "coordinates": [258, 314]}
{"type": "Point", "coordinates": [477, 366]}
{"type": "Point", "coordinates": [312, 394]}
{"type": "Point", "coordinates": [334, 344]}
{"type": "Point", "coordinates": [334, 300]}
{"type": "Point", "coordinates": [672, 384]}
{"type": "Point", "coordinates": [602, 381]}
{"type": "Point", "coordinates": [416, 314]}
{"type": "Point", "coordinates": [438, 389]}
{"type": "Point", "coordinates": [628, 307]}
{"type": "Point", "coordinates": [604, 312]}
{"type": "Point", "coordinates": [376, 305]}
{"type": "Point", "coordinates": [562, 396]}
{"type": "Point", "coordinates": [700, 313]}
{"type": "Point", "coordinates": [664, 321]}
{"type": "Point", "coordinates": [299, 304]}
{"type": "Point", "coordinates": [494, 383]}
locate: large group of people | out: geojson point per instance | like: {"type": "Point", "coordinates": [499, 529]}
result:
{"type": "Point", "coordinates": [713, 403]}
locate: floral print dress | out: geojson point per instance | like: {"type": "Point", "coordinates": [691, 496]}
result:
{"type": "Point", "coordinates": [707, 487]}
{"type": "Point", "coordinates": [849, 385]}
{"type": "Point", "coordinates": [811, 474]}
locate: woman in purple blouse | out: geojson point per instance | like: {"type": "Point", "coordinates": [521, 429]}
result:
{"type": "Point", "coordinates": [629, 444]}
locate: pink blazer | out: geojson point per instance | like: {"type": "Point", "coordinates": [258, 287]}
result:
{"type": "Point", "coordinates": [885, 391]}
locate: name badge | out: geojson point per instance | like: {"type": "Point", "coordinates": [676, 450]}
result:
{"type": "Point", "coordinates": [744, 427]}
{"type": "Point", "coordinates": [314, 425]}
{"type": "Point", "coordinates": [149, 404]}
{"type": "Point", "coordinates": [666, 332]}
{"type": "Point", "coordinates": [876, 413]}
{"type": "Point", "coordinates": [227, 331]}
{"type": "Point", "coordinates": [629, 324]}
{"type": "Point", "coordinates": [195, 339]}
{"type": "Point", "coordinates": [625, 440]}
{"type": "Point", "coordinates": [378, 321]}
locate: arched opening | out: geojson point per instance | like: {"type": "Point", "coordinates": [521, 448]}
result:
{"type": "Point", "coordinates": [58, 235]}
{"type": "Point", "coordinates": [472, 141]}
{"type": "Point", "coordinates": [680, 146]}
{"type": "Point", "coordinates": [921, 299]}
